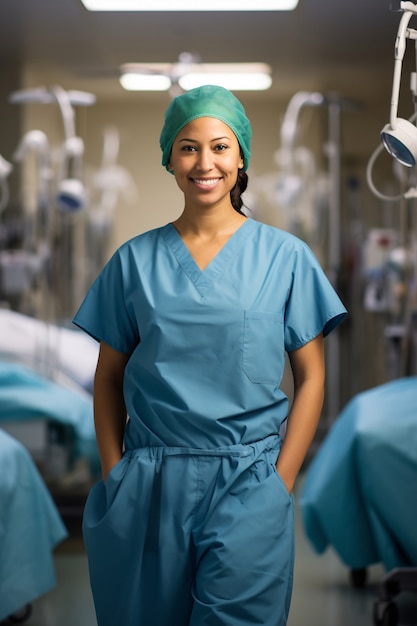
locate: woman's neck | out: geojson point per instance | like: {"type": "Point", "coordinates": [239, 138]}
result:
{"type": "Point", "coordinates": [206, 236]}
{"type": "Point", "coordinates": [210, 222]}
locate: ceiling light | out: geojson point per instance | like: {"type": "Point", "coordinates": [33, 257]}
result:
{"type": "Point", "coordinates": [133, 81]}
{"type": "Point", "coordinates": [189, 5]}
{"type": "Point", "coordinates": [233, 81]}
{"type": "Point", "coordinates": [160, 76]}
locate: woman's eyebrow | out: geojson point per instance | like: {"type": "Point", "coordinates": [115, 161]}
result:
{"type": "Point", "coordinates": [196, 141]}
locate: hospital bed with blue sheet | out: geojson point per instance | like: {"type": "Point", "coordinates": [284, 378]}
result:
{"type": "Point", "coordinates": [360, 490]}
{"type": "Point", "coordinates": [65, 416]}
{"type": "Point", "coordinates": [30, 528]}
{"type": "Point", "coordinates": [46, 378]}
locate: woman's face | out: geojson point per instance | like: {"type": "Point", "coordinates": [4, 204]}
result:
{"type": "Point", "coordinates": [205, 158]}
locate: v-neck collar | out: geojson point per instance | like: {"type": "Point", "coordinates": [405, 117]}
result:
{"type": "Point", "coordinates": [204, 279]}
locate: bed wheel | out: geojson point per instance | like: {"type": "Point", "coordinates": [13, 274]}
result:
{"type": "Point", "coordinates": [388, 616]}
{"type": "Point", "coordinates": [21, 615]}
{"type": "Point", "coordinates": [358, 577]}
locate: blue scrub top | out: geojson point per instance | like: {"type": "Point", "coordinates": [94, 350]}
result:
{"type": "Point", "coordinates": [207, 348]}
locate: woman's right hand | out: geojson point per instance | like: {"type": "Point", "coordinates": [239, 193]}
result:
{"type": "Point", "coordinates": [107, 468]}
{"type": "Point", "coordinates": [109, 407]}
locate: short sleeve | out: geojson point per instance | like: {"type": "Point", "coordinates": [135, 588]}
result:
{"type": "Point", "coordinates": [104, 314]}
{"type": "Point", "coordinates": [313, 305]}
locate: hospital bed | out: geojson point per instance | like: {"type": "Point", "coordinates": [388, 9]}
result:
{"type": "Point", "coordinates": [30, 528]}
{"type": "Point", "coordinates": [67, 355]}
{"type": "Point", "coordinates": [46, 379]}
{"type": "Point", "coordinates": [360, 490]}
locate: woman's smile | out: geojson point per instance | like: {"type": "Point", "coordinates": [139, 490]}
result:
{"type": "Point", "coordinates": [206, 183]}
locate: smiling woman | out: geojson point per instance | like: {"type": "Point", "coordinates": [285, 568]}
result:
{"type": "Point", "coordinates": [192, 522]}
{"type": "Point", "coordinates": [221, 128]}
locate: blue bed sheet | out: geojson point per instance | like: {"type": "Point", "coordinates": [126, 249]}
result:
{"type": "Point", "coordinates": [24, 395]}
{"type": "Point", "coordinates": [360, 491]}
{"type": "Point", "coordinates": [30, 527]}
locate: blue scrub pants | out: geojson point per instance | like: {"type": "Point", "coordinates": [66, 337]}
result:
{"type": "Point", "coordinates": [190, 537]}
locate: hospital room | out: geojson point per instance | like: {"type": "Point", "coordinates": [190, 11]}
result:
{"type": "Point", "coordinates": [154, 155]}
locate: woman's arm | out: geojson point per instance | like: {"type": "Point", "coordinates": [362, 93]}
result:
{"type": "Point", "coordinates": [309, 371]}
{"type": "Point", "coordinates": [109, 407]}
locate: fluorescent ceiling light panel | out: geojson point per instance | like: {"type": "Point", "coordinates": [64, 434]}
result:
{"type": "Point", "coordinates": [145, 82]}
{"type": "Point", "coordinates": [234, 82]}
{"type": "Point", "coordinates": [190, 5]}
{"type": "Point", "coordinates": [238, 77]}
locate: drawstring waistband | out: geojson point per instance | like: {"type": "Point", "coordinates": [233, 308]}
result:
{"type": "Point", "coordinates": [272, 442]}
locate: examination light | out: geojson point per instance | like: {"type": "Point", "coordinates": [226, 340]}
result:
{"type": "Point", "coordinates": [399, 137]}
{"type": "Point", "coordinates": [189, 5]}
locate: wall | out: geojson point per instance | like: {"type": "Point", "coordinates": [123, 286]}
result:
{"type": "Point", "coordinates": [10, 115]}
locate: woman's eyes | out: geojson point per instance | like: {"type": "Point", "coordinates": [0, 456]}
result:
{"type": "Point", "coordinates": [217, 148]}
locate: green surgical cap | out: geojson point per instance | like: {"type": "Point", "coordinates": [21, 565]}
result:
{"type": "Point", "coordinates": [206, 101]}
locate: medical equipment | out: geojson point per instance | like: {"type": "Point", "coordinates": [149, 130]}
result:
{"type": "Point", "coordinates": [45, 96]}
{"type": "Point", "coordinates": [296, 187]}
{"type": "Point", "coordinates": [70, 194]}
{"type": "Point", "coordinates": [376, 260]}
{"type": "Point", "coordinates": [332, 254]}
{"type": "Point", "coordinates": [36, 141]}
{"type": "Point", "coordinates": [5, 170]}
{"type": "Point", "coordinates": [24, 268]}
{"type": "Point", "coordinates": [107, 184]}
{"type": "Point", "coordinates": [289, 157]}
{"type": "Point", "coordinates": [36, 192]}
{"type": "Point", "coordinates": [289, 126]}
{"type": "Point", "coordinates": [399, 136]}
{"type": "Point", "coordinates": [67, 197]}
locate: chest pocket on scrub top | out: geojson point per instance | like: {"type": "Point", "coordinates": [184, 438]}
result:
{"type": "Point", "coordinates": [263, 347]}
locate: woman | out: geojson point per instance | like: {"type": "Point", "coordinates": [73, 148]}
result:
{"type": "Point", "coordinates": [192, 524]}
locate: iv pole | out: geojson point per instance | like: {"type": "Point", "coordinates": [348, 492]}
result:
{"type": "Point", "coordinates": [334, 105]}
{"type": "Point", "coordinates": [334, 255]}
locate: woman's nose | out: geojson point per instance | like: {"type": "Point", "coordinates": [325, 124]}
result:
{"type": "Point", "coordinates": [205, 159]}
